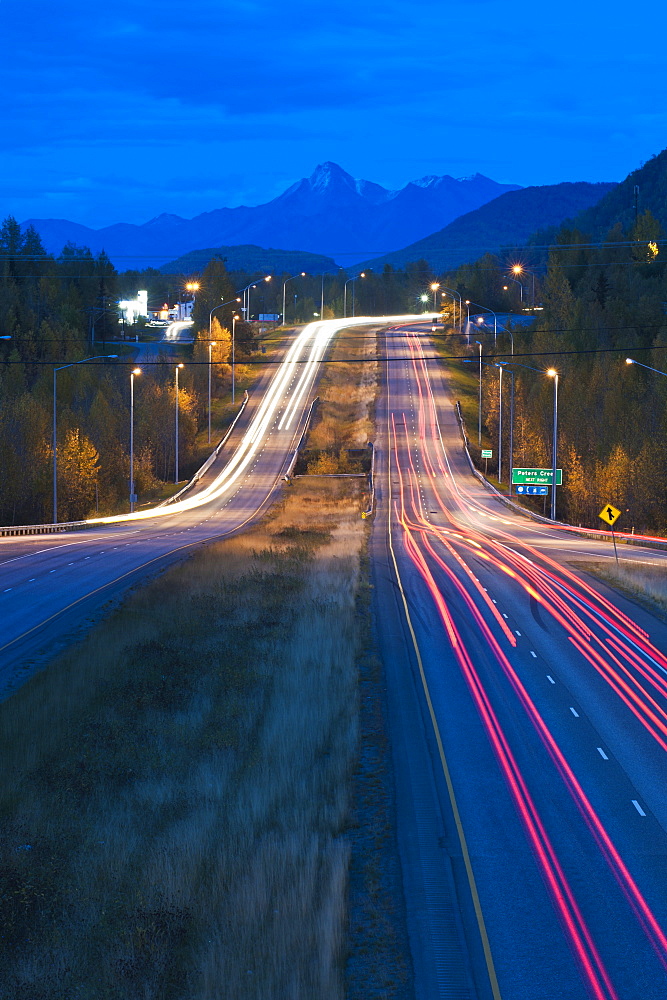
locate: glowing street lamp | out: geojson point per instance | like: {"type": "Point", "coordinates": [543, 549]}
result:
{"type": "Point", "coordinates": [479, 405]}
{"type": "Point", "coordinates": [211, 345]}
{"type": "Point", "coordinates": [552, 373]}
{"type": "Point", "coordinates": [176, 447]}
{"type": "Point", "coordinates": [133, 495]}
{"type": "Point", "coordinates": [435, 285]}
{"type": "Point", "coordinates": [301, 274]}
{"type": "Point", "coordinates": [234, 319]}
{"type": "Point", "coordinates": [192, 286]}
{"type": "Point", "coordinates": [352, 279]}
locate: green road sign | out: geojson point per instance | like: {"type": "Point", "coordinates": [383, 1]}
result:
{"type": "Point", "coordinates": [536, 477]}
{"type": "Point", "coordinates": [487, 452]}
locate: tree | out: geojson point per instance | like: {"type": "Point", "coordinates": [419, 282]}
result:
{"type": "Point", "coordinates": [215, 287]}
{"type": "Point", "coordinates": [78, 470]}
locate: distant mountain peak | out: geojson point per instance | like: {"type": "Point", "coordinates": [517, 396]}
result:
{"type": "Point", "coordinates": [429, 181]}
{"type": "Point", "coordinates": [325, 174]}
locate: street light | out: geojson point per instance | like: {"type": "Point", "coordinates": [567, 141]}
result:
{"type": "Point", "coordinates": [234, 319]}
{"type": "Point", "coordinates": [486, 309]}
{"type": "Point", "coordinates": [518, 269]}
{"type": "Point", "coordinates": [133, 496]}
{"type": "Point", "coordinates": [246, 293]}
{"type": "Point", "coordinates": [552, 373]}
{"type": "Point", "coordinates": [352, 279]}
{"type": "Point", "coordinates": [176, 447]}
{"type": "Point", "coordinates": [631, 361]}
{"type": "Point", "coordinates": [435, 285]}
{"type": "Point", "coordinates": [214, 309]}
{"type": "Point", "coordinates": [97, 357]}
{"type": "Point", "coordinates": [211, 345]}
{"type": "Point", "coordinates": [454, 293]}
{"type": "Point", "coordinates": [301, 274]}
{"type": "Point", "coordinates": [192, 286]}
{"type": "Point", "coordinates": [479, 408]}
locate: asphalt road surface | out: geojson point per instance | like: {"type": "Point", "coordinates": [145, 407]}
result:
{"type": "Point", "coordinates": [52, 586]}
{"type": "Point", "coordinates": [528, 707]}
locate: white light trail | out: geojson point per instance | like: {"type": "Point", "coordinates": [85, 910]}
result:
{"type": "Point", "coordinates": [315, 337]}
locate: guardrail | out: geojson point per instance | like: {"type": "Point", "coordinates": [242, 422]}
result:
{"type": "Point", "coordinates": [52, 529]}
{"type": "Point", "coordinates": [290, 467]}
{"type": "Point", "coordinates": [209, 461]}
{"type": "Point", "coordinates": [602, 536]}
{"type": "Point", "coordinates": [371, 483]}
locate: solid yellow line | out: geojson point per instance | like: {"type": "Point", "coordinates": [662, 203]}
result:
{"type": "Point", "coordinates": [493, 979]}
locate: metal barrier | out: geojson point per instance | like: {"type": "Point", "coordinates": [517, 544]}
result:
{"type": "Point", "coordinates": [306, 427]}
{"type": "Point", "coordinates": [601, 536]}
{"type": "Point", "coordinates": [52, 529]}
{"type": "Point", "coordinates": [209, 461]}
{"type": "Point", "coordinates": [371, 483]}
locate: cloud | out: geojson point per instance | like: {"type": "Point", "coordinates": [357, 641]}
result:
{"type": "Point", "coordinates": [140, 106]}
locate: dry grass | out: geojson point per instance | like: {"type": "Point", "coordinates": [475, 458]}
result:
{"type": "Point", "coordinates": [175, 790]}
{"type": "Point", "coordinates": [646, 582]}
{"type": "Point", "coordinates": [347, 391]}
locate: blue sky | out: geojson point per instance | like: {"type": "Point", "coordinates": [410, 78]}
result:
{"type": "Point", "coordinates": [119, 111]}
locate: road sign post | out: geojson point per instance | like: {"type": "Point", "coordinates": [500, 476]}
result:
{"type": "Point", "coordinates": [610, 516]}
{"type": "Point", "coordinates": [487, 453]}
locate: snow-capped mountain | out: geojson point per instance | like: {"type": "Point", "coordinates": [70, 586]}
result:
{"type": "Point", "coordinates": [329, 213]}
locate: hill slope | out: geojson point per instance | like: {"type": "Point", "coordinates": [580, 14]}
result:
{"type": "Point", "coordinates": [618, 205]}
{"type": "Point", "coordinates": [329, 213]}
{"type": "Point", "coordinates": [250, 258]}
{"type": "Point", "coordinates": [504, 222]}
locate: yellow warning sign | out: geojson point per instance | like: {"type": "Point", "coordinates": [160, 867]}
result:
{"type": "Point", "coordinates": [609, 514]}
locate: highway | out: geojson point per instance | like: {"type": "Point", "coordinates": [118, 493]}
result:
{"type": "Point", "coordinates": [528, 718]}
{"type": "Point", "coordinates": [53, 586]}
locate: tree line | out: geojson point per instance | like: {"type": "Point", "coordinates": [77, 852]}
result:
{"type": "Point", "coordinates": [601, 305]}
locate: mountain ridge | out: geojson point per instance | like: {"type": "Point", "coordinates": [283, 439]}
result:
{"type": "Point", "coordinates": [329, 213]}
{"type": "Point", "coordinates": [506, 221]}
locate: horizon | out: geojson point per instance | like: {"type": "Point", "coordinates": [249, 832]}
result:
{"type": "Point", "coordinates": [258, 204]}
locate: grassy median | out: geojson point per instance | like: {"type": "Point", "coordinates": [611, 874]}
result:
{"type": "Point", "coordinates": [186, 794]}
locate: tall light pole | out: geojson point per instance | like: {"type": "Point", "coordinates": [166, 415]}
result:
{"type": "Point", "coordinates": [352, 279]}
{"type": "Point", "coordinates": [133, 496]}
{"type": "Point", "coordinates": [516, 280]}
{"type": "Point", "coordinates": [234, 319]}
{"type": "Point", "coordinates": [176, 445]}
{"type": "Point", "coordinates": [479, 408]}
{"type": "Point", "coordinates": [435, 285]}
{"type": "Point", "coordinates": [211, 345]}
{"type": "Point", "coordinates": [214, 309]}
{"type": "Point", "coordinates": [500, 366]}
{"type": "Point", "coordinates": [500, 425]}
{"type": "Point", "coordinates": [486, 309]}
{"type": "Point", "coordinates": [454, 294]}
{"type": "Point", "coordinates": [552, 373]}
{"type": "Point", "coordinates": [97, 357]}
{"type": "Point", "coordinates": [301, 274]}
{"type": "Point", "coordinates": [518, 269]}
{"type": "Point", "coordinates": [253, 284]}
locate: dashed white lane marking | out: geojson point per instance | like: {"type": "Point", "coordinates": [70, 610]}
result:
{"type": "Point", "coordinates": [602, 753]}
{"type": "Point", "coordinates": [70, 564]}
{"type": "Point", "coordinates": [550, 679]}
{"type": "Point", "coordinates": [516, 632]}
{"type": "Point", "coordinates": [533, 653]}
{"type": "Point", "coordinates": [51, 571]}
{"type": "Point", "coordinates": [32, 579]}
{"type": "Point", "coordinates": [574, 712]}
{"type": "Point", "coordinates": [638, 807]}
{"type": "Point", "coordinates": [7, 590]}
{"type": "Point", "coordinates": [504, 615]}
